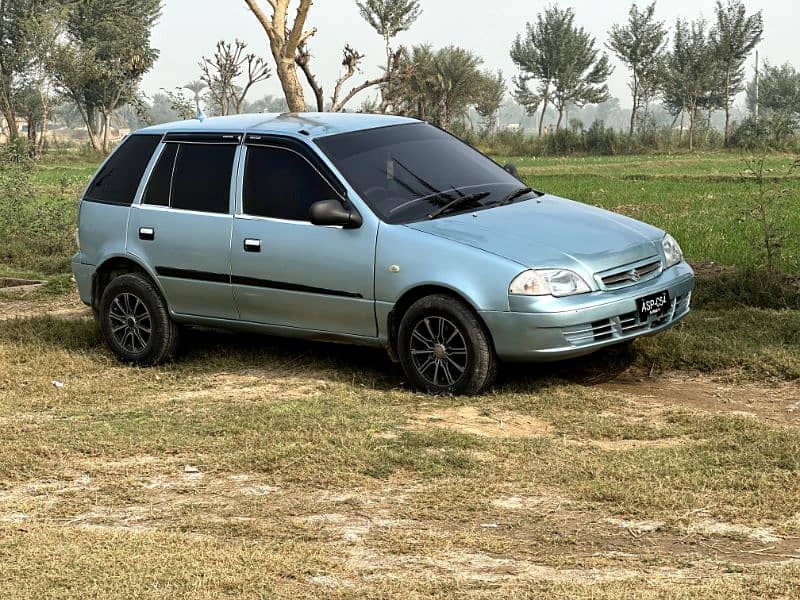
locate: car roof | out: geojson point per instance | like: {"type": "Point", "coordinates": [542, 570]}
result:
{"type": "Point", "coordinates": [313, 125]}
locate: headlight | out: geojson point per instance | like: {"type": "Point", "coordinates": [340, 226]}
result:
{"type": "Point", "coordinates": [672, 251]}
{"type": "Point", "coordinates": [548, 282]}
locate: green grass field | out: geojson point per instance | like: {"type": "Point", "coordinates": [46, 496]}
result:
{"type": "Point", "coordinates": [264, 468]}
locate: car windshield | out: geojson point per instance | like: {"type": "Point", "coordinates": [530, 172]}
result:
{"type": "Point", "coordinates": [412, 172]}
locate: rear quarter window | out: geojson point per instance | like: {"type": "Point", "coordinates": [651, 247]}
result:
{"type": "Point", "coordinates": [119, 178]}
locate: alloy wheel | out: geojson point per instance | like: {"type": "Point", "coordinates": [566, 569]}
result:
{"type": "Point", "coordinates": [131, 323]}
{"type": "Point", "coordinates": [439, 351]}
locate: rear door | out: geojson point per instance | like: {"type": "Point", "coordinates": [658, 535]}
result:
{"type": "Point", "coordinates": [287, 271]}
{"type": "Point", "coordinates": [182, 226]}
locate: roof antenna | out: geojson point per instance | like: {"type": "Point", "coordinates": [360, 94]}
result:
{"type": "Point", "coordinates": [201, 116]}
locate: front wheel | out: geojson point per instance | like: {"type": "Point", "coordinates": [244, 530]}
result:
{"type": "Point", "coordinates": [444, 348]}
{"type": "Point", "coordinates": [135, 321]}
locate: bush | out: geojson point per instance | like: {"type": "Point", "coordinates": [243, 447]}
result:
{"type": "Point", "coordinates": [565, 141]}
{"type": "Point", "coordinates": [35, 233]}
{"type": "Point", "coordinates": [601, 139]}
{"type": "Point", "coordinates": [775, 131]}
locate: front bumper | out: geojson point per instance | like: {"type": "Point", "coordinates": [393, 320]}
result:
{"type": "Point", "coordinates": [558, 328]}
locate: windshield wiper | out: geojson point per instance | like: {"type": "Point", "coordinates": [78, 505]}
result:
{"type": "Point", "coordinates": [469, 199]}
{"type": "Point", "coordinates": [513, 196]}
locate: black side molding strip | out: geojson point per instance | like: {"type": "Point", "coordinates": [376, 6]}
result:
{"type": "Point", "coordinates": [195, 275]}
{"type": "Point", "coordinates": [251, 282]}
{"type": "Point", "coordinates": [290, 287]}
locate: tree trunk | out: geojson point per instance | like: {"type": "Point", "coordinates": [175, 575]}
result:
{"type": "Point", "coordinates": [7, 109]}
{"type": "Point", "coordinates": [106, 126]}
{"type": "Point", "coordinates": [292, 90]}
{"type": "Point", "coordinates": [692, 120]}
{"type": "Point", "coordinates": [560, 117]}
{"type": "Point", "coordinates": [727, 107]}
{"type": "Point", "coordinates": [545, 102]}
{"type": "Point", "coordinates": [635, 106]}
{"type": "Point", "coordinates": [90, 118]}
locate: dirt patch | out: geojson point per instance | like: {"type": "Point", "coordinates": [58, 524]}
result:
{"type": "Point", "coordinates": [68, 306]}
{"type": "Point", "coordinates": [484, 567]}
{"type": "Point", "coordinates": [546, 503]}
{"type": "Point", "coordinates": [617, 445]}
{"type": "Point", "coordinates": [482, 422]}
{"type": "Point", "coordinates": [777, 402]}
{"type": "Point", "coordinates": [708, 528]}
{"type": "Point", "coordinates": [351, 528]}
{"type": "Point", "coordinates": [250, 385]}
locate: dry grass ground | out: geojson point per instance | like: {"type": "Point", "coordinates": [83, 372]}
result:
{"type": "Point", "coordinates": [263, 468]}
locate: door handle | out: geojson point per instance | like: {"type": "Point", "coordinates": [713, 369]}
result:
{"type": "Point", "coordinates": [147, 233]}
{"type": "Point", "coordinates": [251, 245]}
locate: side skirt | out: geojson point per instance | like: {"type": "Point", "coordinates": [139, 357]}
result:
{"type": "Point", "coordinates": [279, 331]}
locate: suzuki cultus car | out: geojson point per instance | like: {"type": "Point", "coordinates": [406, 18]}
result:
{"type": "Point", "coordinates": [375, 230]}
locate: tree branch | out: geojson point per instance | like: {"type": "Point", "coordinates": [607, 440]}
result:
{"type": "Point", "coordinates": [358, 89]}
{"type": "Point", "coordinates": [295, 35]}
{"type": "Point", "coordinates": [266, 23]}
{"type": "Point", "coordinates": [350, 61]}
{"type": "Point", "coordinates": [303, 60]}
{"type": "Point", "coordinates": [306, 35]}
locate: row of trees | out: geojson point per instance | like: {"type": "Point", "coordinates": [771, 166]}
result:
{"type": "Point", "coordinates": [703, 69]}
{"type": "Point", "coordinates": [93, 52]}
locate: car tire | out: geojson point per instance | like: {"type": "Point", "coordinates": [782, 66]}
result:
{"type": "Point", "coordinates": [135, 321]}
{"type": "Point", "coordinates": [444, 348]}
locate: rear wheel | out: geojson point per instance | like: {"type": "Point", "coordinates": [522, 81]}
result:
{"type": "Point", "coordinates": [444, 348]}
{"type": "Point", "coordinates": [136, 322]}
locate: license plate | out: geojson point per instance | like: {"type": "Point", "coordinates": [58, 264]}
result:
{"type": "Point", "coordinates": [651, 305]}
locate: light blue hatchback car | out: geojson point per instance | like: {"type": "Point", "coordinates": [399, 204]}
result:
{"type": "Point", "coordinates": [375, 230]}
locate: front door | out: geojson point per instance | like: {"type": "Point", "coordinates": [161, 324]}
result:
{"type": "Point", "coordinates": [183, 225]}
{"type": "Point", "coordinates": [288, 272]}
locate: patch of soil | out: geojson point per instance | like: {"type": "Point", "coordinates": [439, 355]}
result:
{"type": "Point", "coordinates": [477, 421]}
{"type": "Point", "coordinates": [617, 445]}
{"type": "Point", "coordinates": [247, 385]}
{"type": "Point", "coordinates": [708, 528]}
{"type": "Point", "coordinates": [776, 402]}
{"type": "Point", "coordinates": [68, 306]}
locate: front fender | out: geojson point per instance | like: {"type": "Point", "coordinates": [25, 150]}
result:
{"type": "Point", "coordinates": [406, 259]}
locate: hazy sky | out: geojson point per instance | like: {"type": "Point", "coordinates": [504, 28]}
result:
{"type": "Point", "coordinates": [189, 29]}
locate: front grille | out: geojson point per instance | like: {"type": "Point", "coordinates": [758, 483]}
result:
{"type": "Point", "coordinates": [630, 274]}
{"type": "Point", "coordinates": [625, 325]}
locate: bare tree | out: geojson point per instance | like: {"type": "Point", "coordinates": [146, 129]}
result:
{"type": "Point", "coordinates": [221, 73]}
{"type": "Point", "coordinates": [289, 46]}
{"type": "Point", "coordinates": [284, 41]}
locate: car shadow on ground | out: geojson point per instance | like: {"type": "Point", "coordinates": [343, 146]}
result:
{"type": "Point", "coordinates": [218, 350]}
{"type": "Point", "coordinates": [373, 368]}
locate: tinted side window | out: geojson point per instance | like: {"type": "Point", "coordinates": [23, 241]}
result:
{"type": "Point", "coordinates": [160, 184]}
{"type": "Point", "coordinates": [281, 184]}
{"type": "Point", "coordinates": [118, 180]}
{"type": "Point", "coordinates": [202, 177]}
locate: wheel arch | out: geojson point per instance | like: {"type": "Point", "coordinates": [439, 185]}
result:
{"type": "Point", "coordinates": [410, 296]}
{"type": "Point", "coordinates": [114, 266]}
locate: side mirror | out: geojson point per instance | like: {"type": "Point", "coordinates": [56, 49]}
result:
{"type": "Point", "coordinates": [331, 212]}
{"type": "Point", "coordinates": [511, 168]}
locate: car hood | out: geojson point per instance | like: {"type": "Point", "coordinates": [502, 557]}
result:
{"type": "Point", "coordinates": [552, 232]}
